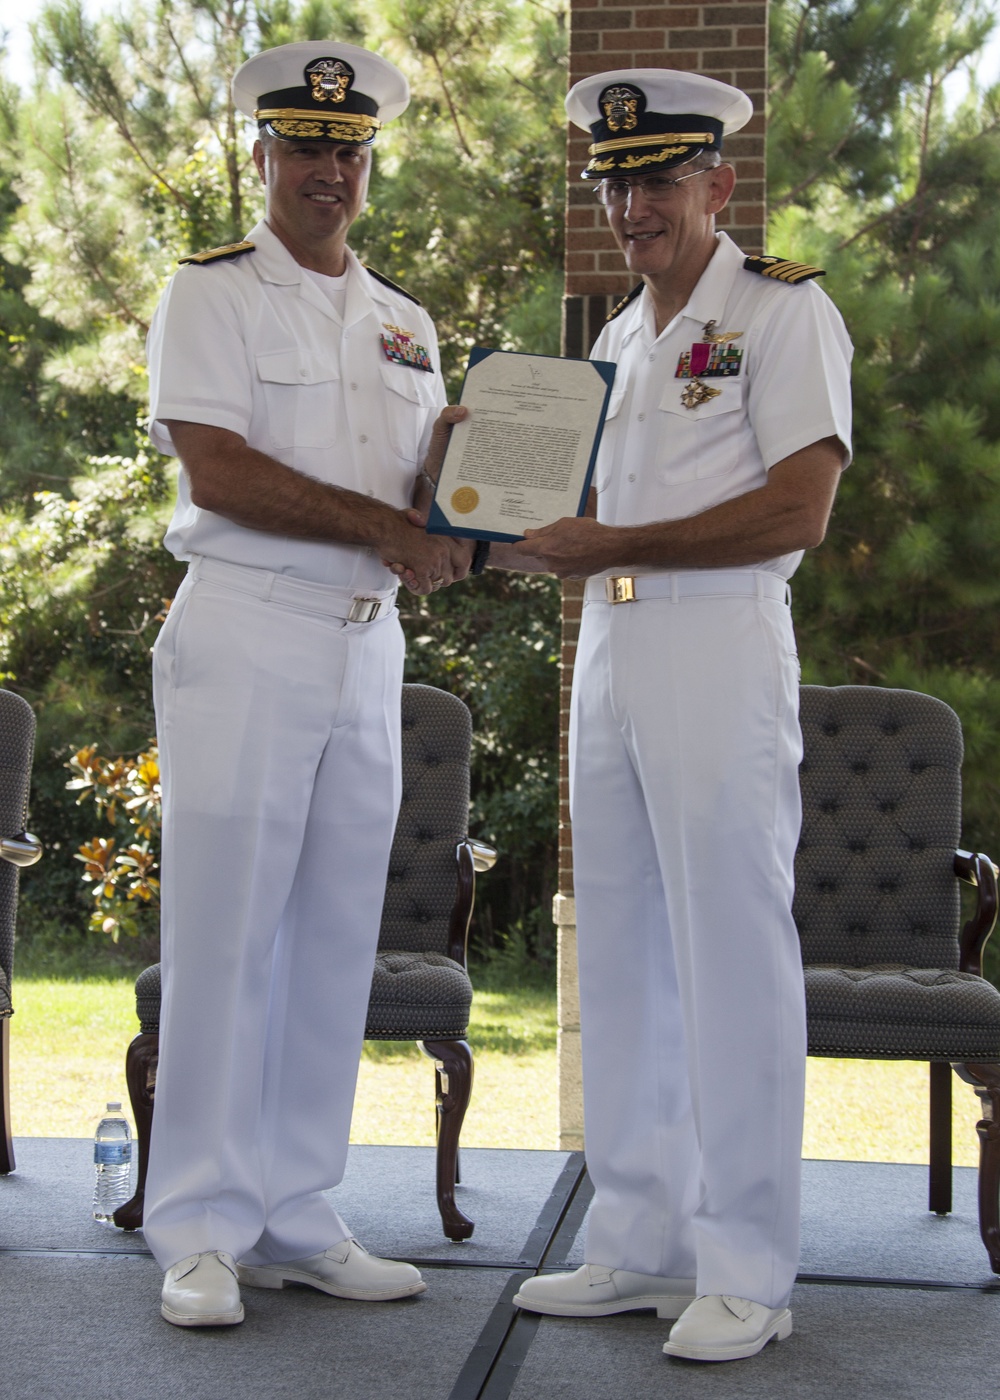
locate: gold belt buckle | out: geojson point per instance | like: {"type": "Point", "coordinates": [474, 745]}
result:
{"type": "Point", "coordinates": [620, 590]}
{"type": "Point", "coordinates": [364, 609]}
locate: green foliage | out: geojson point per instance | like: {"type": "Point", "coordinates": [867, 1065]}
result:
{"type": "Point", "coordinates": [127, 795]}
{"type": "Point", "coordinates": [470, 216]}
{"type": "Point", "coordinates": [876, 179]}
{"type": "Point", "coordinates": [494, 642]}
{"type": "Point", "coordinates": [85, 580]}
{"type": "Point", "coordinates": [127, 155]}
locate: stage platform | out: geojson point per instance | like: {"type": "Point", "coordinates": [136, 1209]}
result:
{"type": "Point", "coordinates": [891, 1302]}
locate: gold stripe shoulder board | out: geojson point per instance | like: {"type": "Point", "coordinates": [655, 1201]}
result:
{"type": "Point", "coordinates": [394, 286]}
{"type": "Point", "coordinates": [782, 269]}
{"type": "Point", "coordinates": [228, 250]}
{"type": "Point", "coordinates": [625, 301]}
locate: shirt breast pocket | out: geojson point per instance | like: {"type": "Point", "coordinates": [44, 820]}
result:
{"type": "Point", "coordinates": [301, 397]}
{"type": "Point", "coordinates": [702, 441]}
{"type": "Point", "coordinates": [408, 400]}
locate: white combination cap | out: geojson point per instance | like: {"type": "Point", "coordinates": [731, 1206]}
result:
{"type": "Point", "coordinates": [320, 91]}
{"type": "Point", "coordinates": [653, 118]}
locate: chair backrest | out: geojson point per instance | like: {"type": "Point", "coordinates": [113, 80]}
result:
{"type": "Point", "coordinates": [17, 742]}
{"type": "Point", "coordinates": [881, 820]}
{"type": "Point", "coordinates": [433, 819]}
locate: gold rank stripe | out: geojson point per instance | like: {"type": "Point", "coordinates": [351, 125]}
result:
{"type": "Point", "coordinates": [228, 250]}
{"type": "Point", "coordinates": [622, 143]}
{"type": "Point", "coordinates": [782, 269]}
{"type": "Point", "coordinates": [625, 301]}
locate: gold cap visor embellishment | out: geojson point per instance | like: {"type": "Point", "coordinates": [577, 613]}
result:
{"type": "Point", "coordinates": [626, 143]}
{"type": "Point", "coordinates": [295, 124]}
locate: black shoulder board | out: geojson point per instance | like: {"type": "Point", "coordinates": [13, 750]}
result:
{"type": "Point", "coordinates": [625, 301]}
{"type": "Point", "coordinates": [783, 269]}
{"type": "Point", "coordinates": [228, 250]}
{"type": "Point", "coordinates": [387, 282]}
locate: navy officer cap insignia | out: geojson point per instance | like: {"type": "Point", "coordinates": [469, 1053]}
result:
{"type": "Point", "coordinates": [653, 118]}
{"type": "Point", "coordinates": [782, 269]}
{"type": "Point", "coordinates": [320, 90]}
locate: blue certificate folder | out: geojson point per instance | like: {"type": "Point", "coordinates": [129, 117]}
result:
{"type": "Point", "coordinates": [445, 521]}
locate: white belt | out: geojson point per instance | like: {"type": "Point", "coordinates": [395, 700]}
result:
{"type": "Point", "coordinates": [296, 592]}
{"type": "Point", "coordinates": [696, 583]}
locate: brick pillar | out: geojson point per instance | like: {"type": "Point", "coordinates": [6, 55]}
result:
{"type": "Point", "coordinates": [727, 41]}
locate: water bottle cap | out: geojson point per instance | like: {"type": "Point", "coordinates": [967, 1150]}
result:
{"type": "Point", "coordinates": [114, 1108]}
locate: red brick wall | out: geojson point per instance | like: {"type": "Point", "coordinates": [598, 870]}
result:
{"type": "Point", "coordinates": [727, 41]}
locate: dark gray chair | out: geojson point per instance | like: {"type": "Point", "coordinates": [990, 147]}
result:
{"type": "Point", "coordinates": [421, 989]}
{"type": "Point", "coordinates": [17, 849]}
{"type": "Point", "coordinates": [891, 973]}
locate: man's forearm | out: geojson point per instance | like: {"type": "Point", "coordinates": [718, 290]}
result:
{"type": "Point", "coordinates": [232, 479]}
{"type": "Point", "coordinates": [789, 513]}
{"type": "Point", "coordinates": [260, 493]}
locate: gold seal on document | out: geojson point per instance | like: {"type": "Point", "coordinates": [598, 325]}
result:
{"type": "Point", "coordinates": [465, 499]}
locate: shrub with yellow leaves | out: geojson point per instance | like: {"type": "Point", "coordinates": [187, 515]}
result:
{"type": "Point", "coordinates": [127, 795]}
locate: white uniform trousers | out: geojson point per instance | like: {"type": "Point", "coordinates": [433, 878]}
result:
{"type": "Point", "coordinates": [278, 726]}
{"type": "Point", "coordinates": [685, 747]}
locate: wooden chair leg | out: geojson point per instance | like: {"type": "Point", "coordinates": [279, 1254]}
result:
{"type": "Point", "coordinates": [453, 1069]}
{"type": "Point", "coordinates": [140, 1075]}
{"type": "Point", "coordinates": [940, 1130]}
{"type": "Point", "coordinates": [6, 1140]}
{"type": "Point", "coordinates": [985, 1079]}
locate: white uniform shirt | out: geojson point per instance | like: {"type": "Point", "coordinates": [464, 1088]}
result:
{"type": "Point", "coordinates": [661, 461]}
{"type": "Point", "coordinates": [255, 346]}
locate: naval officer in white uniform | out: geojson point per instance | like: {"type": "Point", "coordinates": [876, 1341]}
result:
{"type": "Point", "coordinates": [299, 390]}
{"type": "Point", "coordinates": [728, 428]}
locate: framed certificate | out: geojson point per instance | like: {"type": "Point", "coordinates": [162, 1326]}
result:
{"type": "Point", "coordinates": [525, 455]}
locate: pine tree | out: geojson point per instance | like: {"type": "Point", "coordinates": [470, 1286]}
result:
{"type": "Point", "coordinates": [874, 176]}
{"type": "Point", "coordinates": [129, 155]}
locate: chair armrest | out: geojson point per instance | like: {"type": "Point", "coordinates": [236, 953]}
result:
{"type": "Point", "coordinates": [484, 856]}
{"type": "Point", "coordinates": [980, 872]}
{"type": "Point", "coordinates": [473, 857]}
{"type": "Point", "coordinates": [22, 849]}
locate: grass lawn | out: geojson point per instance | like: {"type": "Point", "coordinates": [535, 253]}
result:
{"type": "Point", "coordinates": [68, 1041]}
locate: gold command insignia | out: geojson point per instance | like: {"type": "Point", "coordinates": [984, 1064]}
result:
{"type": "Point", "coordinates": [464, 500]}
{"type": "Point", "coordinates": [698, 393]}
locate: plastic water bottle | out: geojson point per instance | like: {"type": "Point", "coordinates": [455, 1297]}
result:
{"type": "Point", "coordinates": [112, 1164]}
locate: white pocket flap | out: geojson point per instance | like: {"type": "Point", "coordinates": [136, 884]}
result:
{"type": "Point", "coordinates": [404, 381]}
{"type": "Point", "coordinates": [294, 367]}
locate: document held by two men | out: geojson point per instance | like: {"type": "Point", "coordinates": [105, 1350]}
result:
{"type": "Point", "coordinates": [525, 455]}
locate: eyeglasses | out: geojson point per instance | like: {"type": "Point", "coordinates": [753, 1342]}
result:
{"type": "Point", "coordinates": [656, 188]}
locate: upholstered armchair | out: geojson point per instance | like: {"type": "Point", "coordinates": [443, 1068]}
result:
{"type": "Point", "coordinates": [17, 849]}
{"type": "Point", "coordinates": [421, 989]}
{"type": "Point", "coordinates": [890, 970]}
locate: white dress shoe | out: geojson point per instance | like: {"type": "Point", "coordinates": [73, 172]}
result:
{"type": "Point", "coordinates": [346, 1270]}
{"type": "Point", "coordinates": [724, 1328]}
{"type": "Point", "coordinates": [202, 1291]}
{"type": "Point", "coordinates": [597, 1291]}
